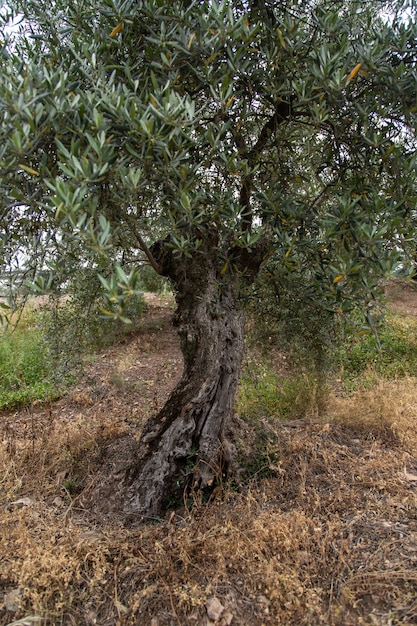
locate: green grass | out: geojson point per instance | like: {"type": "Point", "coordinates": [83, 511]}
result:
{"type": "Point", "coordinates": [265, 396]}
{"type": "Point", "coordinates": [389, 354]}
{"type": "Point", "coordinates": [264, 392]}
{"type": "Point", "coordinates": [362, 361]}
{"type": "Point", "coordinates": [41, 355]}
{"type": "Point", "coordinates": [25, 369]}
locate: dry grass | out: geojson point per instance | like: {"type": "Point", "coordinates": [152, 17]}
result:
{"type": "Point", "coordinates": [329, 537]}
{"type": "Point", "coordinates": [325, 534]}
{"type": "Point", "coordinates": [388, 406]}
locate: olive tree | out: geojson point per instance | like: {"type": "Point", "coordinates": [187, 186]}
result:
{"type": "Point", "coordinates": [207, 138]}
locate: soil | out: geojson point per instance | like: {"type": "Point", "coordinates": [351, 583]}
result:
{"type": "Point", "coordinates": [126, 382]}
{"type": "Point", "coordinates": [402, 297]}
{"type": "Point", "coordinates": [322, 531]}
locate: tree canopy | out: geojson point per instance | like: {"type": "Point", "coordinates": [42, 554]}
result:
{"type": "Point", "coordinates": [208, 139]}
{"type": "Point", "coordinates": [123, 122]}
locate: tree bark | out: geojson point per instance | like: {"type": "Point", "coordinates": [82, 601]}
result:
{"type": "Point", "coordinates": [183, 446]}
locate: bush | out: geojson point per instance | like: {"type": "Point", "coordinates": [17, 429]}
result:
{"type": "Point", "coordinates": [288, 312]}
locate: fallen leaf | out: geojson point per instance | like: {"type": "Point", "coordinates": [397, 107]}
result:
{"type": "Point", "coordinates": [214, 609]}
{"type": "Point", "coordinates": [26, 621]}
{"type": "Point", "coordinates": [410, 477]}
{"type": "Point", "coordinates": [23, 502]}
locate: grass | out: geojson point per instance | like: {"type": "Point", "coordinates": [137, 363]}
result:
{"type": "Point", "coordinates": [25, 368]}
{"type": "Point", "coordinates": [269, 394]}
{"type": "Point", "coordinates": [323, 533]}
{"type": "Point", "coordinates": [389, 406]}
{"type": "Point", "coordinates": [39, 356]}
{"type": "Point", "coordinates": [264, 392]}
{"type": "Point", "coordinates": [364, 360]}
{"type": "Point", "coordinates": [328, 539]}
{"type": "Point", "coordinates": [391, 353]}
{"type": "Point", "coordinates": [370, 368]}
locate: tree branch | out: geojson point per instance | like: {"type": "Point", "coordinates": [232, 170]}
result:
{"type": "Point", "coordinates": [142, 244]}
{"type": "Point", "coordinates": [244, 200]}
{"type": "Point", "coordinates": [282, 112]}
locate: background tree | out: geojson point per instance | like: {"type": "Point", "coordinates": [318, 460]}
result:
{"type": "Point", "coordinates": [209, 138]}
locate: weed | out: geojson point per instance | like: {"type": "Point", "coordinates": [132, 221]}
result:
{"type": "Point", "coordinates": [117, 380]}
{"type": "Point", "coordinates": [261, 459]}
{"type": "Point", "coordinates": [389, 406]}
{"type": "Point", "coordinates": [71, 486]}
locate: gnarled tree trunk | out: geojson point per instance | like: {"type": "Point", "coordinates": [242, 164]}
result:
{"type": "Point", "coordinates": [189, 430]}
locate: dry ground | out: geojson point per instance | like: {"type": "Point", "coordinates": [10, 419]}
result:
{"type": "Point", "coordinates": [324, 533]}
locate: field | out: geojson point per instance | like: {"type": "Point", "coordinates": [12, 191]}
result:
{"type": "Point", "coordinates": [318, 527]}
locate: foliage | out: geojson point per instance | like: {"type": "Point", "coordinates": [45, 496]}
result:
{"type": "Point", "coordinates": [288, 385]}
{"type": "Point", "coordinates": [289, 125]}
{"type": "Point", "coordinates": [289, 311]}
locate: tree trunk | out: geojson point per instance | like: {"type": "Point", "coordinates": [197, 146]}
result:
{"type": "Point", "coordinates": [183, 446]}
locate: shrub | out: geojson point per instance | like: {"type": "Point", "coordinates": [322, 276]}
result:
{"type": "Point", "coordinates": [287, 312]}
